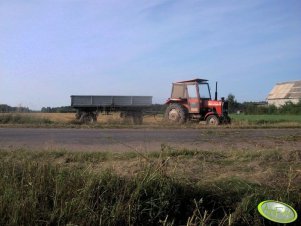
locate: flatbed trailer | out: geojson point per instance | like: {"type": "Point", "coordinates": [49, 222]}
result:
{"type": "Point", "coordinates": [88, 107]}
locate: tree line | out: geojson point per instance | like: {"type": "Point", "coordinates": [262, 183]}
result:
{"type": "Point", "coordinates": [251, 108]}
{"type": "Point", "coordinates": [4, 108]}
{"type": "Point", "coordinates": [63, 109]}
{"type": "Point", "coordinates": [262, 108]}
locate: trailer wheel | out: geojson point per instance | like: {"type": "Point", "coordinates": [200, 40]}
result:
{"type": "Point", "coordinates": [88, 118]}
{"type": "Point", "coordinates": [78, 115]}
{"type": "Point", "coordinates": [94, 117]}
{"type": "Point", "coordinates": [212, 120]}
{"type": "Point", "coordinates": [175, 113]}
{"type": "Point", "coordinates": [138, 118]}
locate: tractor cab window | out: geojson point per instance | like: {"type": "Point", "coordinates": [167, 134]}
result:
{"type": "Point", "coordinates": [204, 91]}
{"type": "Point", "coordinates": [192, 93]}
{"type": "Point", "coordinates": [178, 91]}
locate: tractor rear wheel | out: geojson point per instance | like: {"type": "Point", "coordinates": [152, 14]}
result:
{"type": "Point", "coordinates": [175, 113]}
{"type": "Point", "coordinates": [212, 120]}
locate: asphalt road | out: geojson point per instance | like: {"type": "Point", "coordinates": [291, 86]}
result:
{"type": "Point", "coordinates": [147, 139]}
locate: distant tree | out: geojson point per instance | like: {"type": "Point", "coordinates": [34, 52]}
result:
{"type": "Point", "coordinates": [272, 109]}
{"type": "Point", "coordinates": [253, 108]}
{"type": "Point", "coordinates": [7, 108]}
{"type": "Point", "coordinates": [63, 109]}
{"type": "Point", "coordinates": [233, 105]}
{"type": "Point", "coordinates": [157, 108]}
{"type": "Point", "coordinates": [290, 108]}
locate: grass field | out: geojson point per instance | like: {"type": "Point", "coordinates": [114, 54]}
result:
{"type": "Point", "coordinates": [266, 119]}
{"type": "Point", "coordinates": [168, 187]}
{"type": "Point", "coordinates": [114, 120]}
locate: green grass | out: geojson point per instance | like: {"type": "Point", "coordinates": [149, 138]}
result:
{"type": "Point", "coordinates": [169, 187]}
{"type": "Point", "coordinates": [265, 119]}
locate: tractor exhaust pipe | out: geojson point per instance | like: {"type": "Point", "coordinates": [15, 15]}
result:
{"type": "Point", "coordinates": [215, 97]}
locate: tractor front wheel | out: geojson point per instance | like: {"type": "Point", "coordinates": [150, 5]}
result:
{"type": "Point", "coordinates": [212, 120]}
{"type": "Point", "coordinates": [175, 113]}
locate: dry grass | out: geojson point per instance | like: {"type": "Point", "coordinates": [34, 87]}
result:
{"type": "Point", "coordinates": [113, 118]}
{"type": "Point", "coordinates": [115, 121]}
{"type": "Point", "coordinates": [263, 167]}
{"type": "Point", "coordinates": [55, 117]}
{"type": "Point", "coordinates": [168, 187]}
{"type": "Point", "coordinates": [268, 167]}
{"type": "Point", "coordinates": [102, 118]}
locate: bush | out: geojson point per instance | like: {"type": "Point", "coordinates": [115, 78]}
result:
{"type": "Point", "coordinates": [288, 109]}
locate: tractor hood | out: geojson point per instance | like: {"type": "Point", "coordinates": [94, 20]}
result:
{"type": "Point", "coordinates": [214, 103]}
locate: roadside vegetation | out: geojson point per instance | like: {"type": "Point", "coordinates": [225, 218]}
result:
{"type": "Point", "coordinates": [67, 120]}
{"type": "Point", "coordinates": [168, 187]}
{"type": "Point", "coordinates": [24, 118]}
{"type": "Point", "coordinates": [243, 119]}
{"type": "Point", "coordinates": [262, 108]}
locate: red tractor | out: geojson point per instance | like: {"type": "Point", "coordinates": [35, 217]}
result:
{"type": "Point", "coordinates": [191, 101]}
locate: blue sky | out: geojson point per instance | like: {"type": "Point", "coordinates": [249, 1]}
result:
{"type": "Point", "coordinates": [51, 49]}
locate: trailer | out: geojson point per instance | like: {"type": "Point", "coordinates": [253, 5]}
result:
{"type": "Point", "coordinates": [88, 107]}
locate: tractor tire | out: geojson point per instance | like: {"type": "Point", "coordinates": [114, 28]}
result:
{"type": "Point", "coordinates": [212, 120]}
{"type": "Point", "coordinates": [175, 113]}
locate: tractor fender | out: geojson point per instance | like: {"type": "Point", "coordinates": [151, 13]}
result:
{"type": "Point", "coordinates": [168, 101]}
{"type": "Point", "coordinates": [181, 102]}
{"type": "Point", "coordinates": [210, 113]}
{"type": "Point", "coordinates": [173, 100]}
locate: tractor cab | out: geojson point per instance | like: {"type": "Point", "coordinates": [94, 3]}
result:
{"type": "Point", "coordinates": [193, 91]}
{"type": "Point", "coordinates": [191, 100]}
